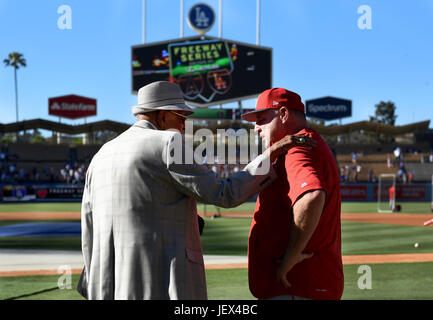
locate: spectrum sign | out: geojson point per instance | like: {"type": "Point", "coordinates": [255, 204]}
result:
{"type": "Point", "coordinates": [328, 108]}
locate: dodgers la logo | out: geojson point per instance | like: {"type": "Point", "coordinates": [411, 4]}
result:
{"type": "Point", "coordinates": [201, 18]}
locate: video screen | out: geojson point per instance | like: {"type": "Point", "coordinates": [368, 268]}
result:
{"type": "Point", "coordinates": [209, 72]}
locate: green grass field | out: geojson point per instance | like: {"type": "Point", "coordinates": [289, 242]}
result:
{"type": "Point", "coordinates": [403, 281]}
{"type": "Point", "coordinates": [40, 207]}
{"type": "Point", "coordinates": [229, 236]}
{"type": "Point", "coordinates": [349, 207]}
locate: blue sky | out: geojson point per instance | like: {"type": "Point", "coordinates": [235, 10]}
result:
{"type": "Point", "coordinates": [318, 50]}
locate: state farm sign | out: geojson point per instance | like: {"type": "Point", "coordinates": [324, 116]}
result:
{"type": "Point", "coordinates": [72, 106]}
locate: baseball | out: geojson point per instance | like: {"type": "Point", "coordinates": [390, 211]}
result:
{"type": "Point", "coordinates": [416, 245]}
{"type": "Point", "coordinates": [428, 222]}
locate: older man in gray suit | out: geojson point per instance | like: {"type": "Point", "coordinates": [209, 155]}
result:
{"type": "Point", "coordinates": [140, 236]}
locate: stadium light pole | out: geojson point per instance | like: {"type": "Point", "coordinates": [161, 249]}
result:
{"type": "Point", "coordinates": [220, 26]}
{"type": "Point", "coordinates": [258, 23]}
{"type": "Point", "coordinates": [181, 18]}
{"type": "Point", "coordinates": [144, 21]}
{"type": "Point", "coordinates": [220, 19]}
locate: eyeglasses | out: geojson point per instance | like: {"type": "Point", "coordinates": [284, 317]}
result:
{"type": "Point", "coordinates": [184, 117]}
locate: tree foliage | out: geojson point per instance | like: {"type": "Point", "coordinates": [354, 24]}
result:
{"type": "Point", "coordinates": [15, 59]}
{"type": "Point", "coordinates": [384, 113]}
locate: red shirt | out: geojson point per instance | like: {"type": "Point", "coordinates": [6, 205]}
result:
{"type": "Point", "coordinates": [319, 277]}
{"type": "Point", "coordinates": [391, 193]}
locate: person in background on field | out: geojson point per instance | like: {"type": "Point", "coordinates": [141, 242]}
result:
{"type": "Point", "coordinates": [391, 191]}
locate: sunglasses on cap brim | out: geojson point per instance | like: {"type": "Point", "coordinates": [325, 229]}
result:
{"type": "Point", "coordinates": [179, 114]}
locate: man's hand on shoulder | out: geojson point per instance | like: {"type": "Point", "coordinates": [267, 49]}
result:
{"type": "Point", "coordinates": [283, 145]}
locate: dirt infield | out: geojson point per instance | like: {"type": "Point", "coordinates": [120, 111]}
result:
{"type": "Point", "coordinates": [40, 215]}
{"type": "Point", "coordinates": [405, 219]}
{"type": "Point", "coordinates": [381, 218]}
{"type": "Point", "coordinates": [22, 273]}
{"type": "Point", "coordinates": [357, 259]}
{"type": "Point", "coordinates": [388, 258]}
{"type": "Point", "coordinates": [353, 259]}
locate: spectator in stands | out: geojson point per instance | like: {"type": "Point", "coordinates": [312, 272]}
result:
{"type": "Point", "coordinates": [63, 174]}
{"type": "Point", "coordinates": [410, 177]}
{"type": "Point", "coordinates": [45, 171]}
{"type": "Point", "coordinates": [82, 172]}
{"type": "Point", "coordinates": [36, 174]}
{"type": "Point", "coordinates": [370, 175]}
{"type": "Point", "coordinates": [34, 170]}
{"type": "Point", "coordinates": [22, 174]}
{"type": "Point", "coordinates": [70, 175]}
{"type": "Point", "coordinates": [342, 174]}
{"type": "Point", "coordinates": [4, 177]}
{"type": "Point", "coordinates": [354, 158]}
{"type": "Point", "coordinates": [356, 172]}
{"type": "Point", "coordinates": [221, 170]}
{"type": "Point", "coordinates": [52, 175]}
{"type": "Point", "coordinates": [77, 176]}
{"type": "Point", "coordinates": [389, 161]}
{"type": "Point", "coordinates": [12, 168]}
{"type": "Point", "coordinates": [347, 173]}
{"type": "Point", "coordinates": [215, 169]}
{"type": "Point", "coordinates": [397, 154]}
{"type": "Point", "coordinates": [226, 173]}
{"type": "Point", "coordinates": [402, 175]}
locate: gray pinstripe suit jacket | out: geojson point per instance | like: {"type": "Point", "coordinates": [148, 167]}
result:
{"type": "Point", "coordinates": [140, 237]}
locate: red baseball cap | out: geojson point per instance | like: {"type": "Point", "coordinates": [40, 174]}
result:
{"type": "Point", "coordinates": [275, 98]}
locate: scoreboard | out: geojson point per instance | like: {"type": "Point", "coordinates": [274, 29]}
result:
{"type": "Point", "coordinates": [209, 70]}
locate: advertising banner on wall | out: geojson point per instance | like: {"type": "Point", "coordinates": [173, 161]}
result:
{"type": "Point", "coordinates": [354, 192]}
{"type": "Point", "coordinates": [17, 193]}
{"type": "Point", "coordinates": [14, 193]}
{"type": "Point", "coordinates": [59, 192]}
{"type": "Point", "coordinates": [72, 106]}
{"type": "Point", "coordinates": [404, 192]}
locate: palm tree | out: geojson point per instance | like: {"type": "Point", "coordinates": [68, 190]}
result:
{"type": "Point", "coordinates": [15, 60]}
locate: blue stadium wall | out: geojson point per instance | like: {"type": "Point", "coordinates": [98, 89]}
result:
{"type": "Point", "coordinates": [55, 192]}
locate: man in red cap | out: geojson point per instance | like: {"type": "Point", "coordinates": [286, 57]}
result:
{"type": "Point", "coordinates": [294, 249]}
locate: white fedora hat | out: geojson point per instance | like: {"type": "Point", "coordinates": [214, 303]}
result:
{"type": "Point", "coordinates": [160, 95]}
